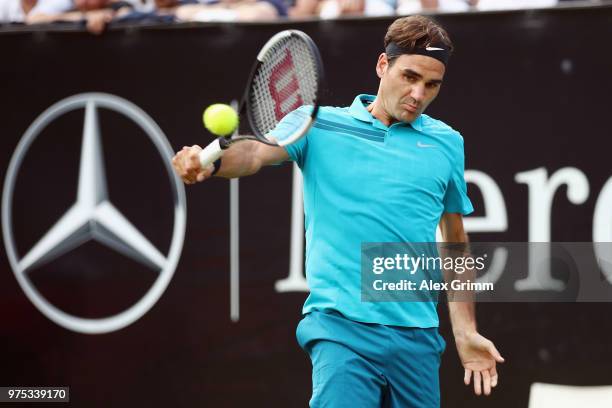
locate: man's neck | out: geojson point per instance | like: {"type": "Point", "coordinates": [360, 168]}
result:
{"type": "Point", "coordinates": [377, 110]}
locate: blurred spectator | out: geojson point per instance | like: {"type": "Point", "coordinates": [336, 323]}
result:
{"type": "Point", "coordinates": [15, 11]}
{"type": "Point", "coordinates": [417, 6]}
{"type": "Point", "coordinates": [337, 8]}
{"type": "Point", "coordinates": [224, 10]}
{"type": "Point", "coordinates": [514, 4]}
{"type": "Point", "coordinates": [453, 6]}
{"type": "Point", "coordinates": [95, 14]}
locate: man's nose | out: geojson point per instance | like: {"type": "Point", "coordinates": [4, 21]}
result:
{"type": "Point", "coordinates": [418, 92]}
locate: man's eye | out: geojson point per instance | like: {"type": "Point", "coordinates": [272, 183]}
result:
{"type": "Point", "coordinates": [433, 85]}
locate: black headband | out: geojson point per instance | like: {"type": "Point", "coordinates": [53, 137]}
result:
{"type": "Point", "coordinates": [434, 51]}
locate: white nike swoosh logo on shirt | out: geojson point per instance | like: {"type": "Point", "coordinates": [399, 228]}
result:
{"type": "Point", "coordinates": [421, 144]}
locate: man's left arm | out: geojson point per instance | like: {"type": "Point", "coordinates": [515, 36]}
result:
{"type": "Point", "coordinates": [478, 355]}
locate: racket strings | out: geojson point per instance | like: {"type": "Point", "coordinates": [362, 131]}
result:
{"type": "Point", "coordinates": [286, 79]}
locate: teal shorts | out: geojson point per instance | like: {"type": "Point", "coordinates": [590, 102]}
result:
{"type": "Point", "coordinates": [364, 365]}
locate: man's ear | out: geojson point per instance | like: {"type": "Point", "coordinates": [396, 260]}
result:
{"type": "Point", "coordinates": [382, 65]}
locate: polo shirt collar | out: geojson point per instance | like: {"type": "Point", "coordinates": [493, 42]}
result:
{"type": "Point", "coordinates": [358, 111]}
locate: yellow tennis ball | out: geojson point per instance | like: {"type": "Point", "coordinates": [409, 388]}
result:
{"type": "Point", "coordinates": [220, 119]}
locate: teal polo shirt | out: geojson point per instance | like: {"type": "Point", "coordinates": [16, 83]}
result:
{"type": "Point", "coordinates": [366, 182]}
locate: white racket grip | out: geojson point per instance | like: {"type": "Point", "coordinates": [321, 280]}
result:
{"type": "Point", "coordinates": [210, 154]}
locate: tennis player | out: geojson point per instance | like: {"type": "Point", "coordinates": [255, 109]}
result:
{"type": "Point", "coordinates": [377, 171]}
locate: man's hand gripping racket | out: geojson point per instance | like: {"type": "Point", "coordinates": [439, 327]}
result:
{"type": "Point", "coordinates": [287, 75]}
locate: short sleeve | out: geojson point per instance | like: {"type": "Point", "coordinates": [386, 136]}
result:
{"type": "Point", "coordinates": [456, 199]}
{"type": "Point", "coordinates": [11, 11]}
{"type": "Point", "coordinates": [52, 7]}
{"type": "Point", "coordinates": [297, 150]}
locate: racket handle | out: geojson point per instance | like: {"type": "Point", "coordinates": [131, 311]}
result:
{"type": "Point", "coordinates": [211, 153]}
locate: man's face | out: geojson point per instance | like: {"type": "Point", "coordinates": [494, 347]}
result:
{"type": "Point", "coordinates": [408, 85]}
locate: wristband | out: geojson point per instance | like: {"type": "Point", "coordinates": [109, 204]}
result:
{"type": "Point", "coordinates": [217, 165]}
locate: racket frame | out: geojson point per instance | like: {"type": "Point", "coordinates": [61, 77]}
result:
{"type": "Point", "coordinates": [214, 150]}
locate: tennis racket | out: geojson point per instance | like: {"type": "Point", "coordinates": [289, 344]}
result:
{"type": "Point", "coordinates": [287, 75]}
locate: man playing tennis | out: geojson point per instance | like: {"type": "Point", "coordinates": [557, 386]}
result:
{"type": "Point", "coordinates": [377, 171]}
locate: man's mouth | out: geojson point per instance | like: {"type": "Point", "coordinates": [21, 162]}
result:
{"type": "Point", "coordinates": [410, 108]}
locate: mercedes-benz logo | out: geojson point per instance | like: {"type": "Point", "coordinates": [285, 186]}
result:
{"type": "Point", "coordinates": [93, 216]}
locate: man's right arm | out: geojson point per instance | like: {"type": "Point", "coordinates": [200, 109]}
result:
{"type": "Point", "coordinates": [241, 159]}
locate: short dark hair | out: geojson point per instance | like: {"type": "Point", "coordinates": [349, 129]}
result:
{"type": "Point", "coordinates": [414, 32]}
